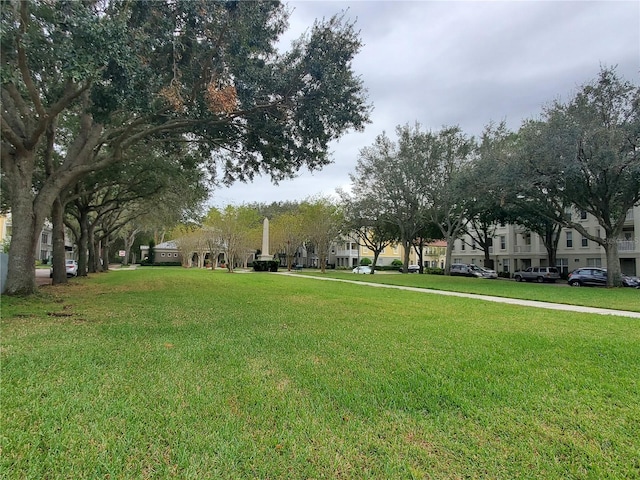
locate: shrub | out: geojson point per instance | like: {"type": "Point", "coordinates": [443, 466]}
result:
{"type": "Point", "coordinates": [434, 271]}
{"type": "Point", "coordinates": [389, 267]}
{"type": "Point", "coordinates": [397, 263]}
{"type": "Point", "coordinates": [504, 275]}
{"type": "Point", "coordinates": [266, 265]}
{"type": "Point", "coordinates": [365, 261]}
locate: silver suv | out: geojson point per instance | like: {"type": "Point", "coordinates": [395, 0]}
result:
{"type": "Point", "coordinates": [537, 274]}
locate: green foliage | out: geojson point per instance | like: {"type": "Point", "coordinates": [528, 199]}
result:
{"type": "Point", "coordinates": [365, 261]}
{"type": "Point", "coordinates": [266, 265]}
{"type": "Point", "coordinates": [434, 271]}
{"type": "Point", "coordinates": [396, 263]}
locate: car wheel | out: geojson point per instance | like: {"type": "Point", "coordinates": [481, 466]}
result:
{"type": "Point", "coordinates": [518, 278]}
{"type": "Point", "coordinates": [575, 283]}
{"type": "Point", "coordinates": [540, 280]}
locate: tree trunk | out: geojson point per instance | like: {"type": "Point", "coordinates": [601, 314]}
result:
{"type": "Point", "coordinates": [614, 272]}
{"type": "Point", "coordinates": [83, 244]}
{"type": "Point", "coordinates": [128, 243]}
{"type": "Point", "coordinates": [105, 254]}
{"type": "Point", "coordinates": [488, 263]}
{"type": "Point", "coordinates": [21, 273]}
{"type": "Point", "coordinates": [376, 255]}
{"type": "Point", "coordinates": [406, 243]}
{"type": "Point", "coordinates": [448, 254]}
{"type": "Point", "coordinates": [59, 254]}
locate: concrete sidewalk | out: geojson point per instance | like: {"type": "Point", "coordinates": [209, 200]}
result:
{"type": "Point", "coordinates": [487, 298]}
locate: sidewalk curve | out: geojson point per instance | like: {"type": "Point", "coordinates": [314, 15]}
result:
{"type": "Point", "coordinates": [487, 298]}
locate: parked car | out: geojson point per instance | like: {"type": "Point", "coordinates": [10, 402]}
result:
{"type": "Point", "coordinates": [597, 277]}
{"type": "Point", "coordinates": [71, 267]}
{"type": "Point", "coordinates": [537, 274]}
{"type": "Point", "coordinates": [629, 281]}
{"type": "Point", "coordinates": [413, 268]}
{"type": "Point", "coordinates": [464, 270]}
{"type": "Point", "coordinates": [362, 269]}
{"type": "Point", "coordinates": [484, 272]}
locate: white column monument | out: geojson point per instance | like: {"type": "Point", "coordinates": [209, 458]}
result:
{"type": "Point", "coordinates": [264, 255]}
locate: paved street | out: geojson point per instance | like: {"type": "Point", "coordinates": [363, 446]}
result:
{"type": "Point", "coordinates": [42, 276]}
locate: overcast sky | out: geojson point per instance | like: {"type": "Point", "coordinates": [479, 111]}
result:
{"type": "Point", "coordinates": [459, 63]}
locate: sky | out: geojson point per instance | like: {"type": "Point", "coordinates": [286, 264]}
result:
{"type": "Point", "coordinates": [468, 63]}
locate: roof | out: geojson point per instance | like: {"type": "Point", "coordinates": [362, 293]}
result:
{"type": "Point", "coordinates": [437, 243]}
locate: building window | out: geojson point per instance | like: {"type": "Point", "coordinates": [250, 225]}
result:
{"type": "Point", "coordinates": [503, 242]}
{"type": "Point", "coordinates": [569, 239]}
{"type": "Point", "coordinates": [175, 254]}
{"type": "Point", "coordinates": [583, 215]}
{"type": "Point", "coordinates": [473, 244]}
{"type": "Point", "coordinates": [567, 215]}
{"type": "Point", "coordinates": [462, 245]}
{"type": "Point", "coordinates": [594, 262]}
{"type": "Point", "coordinates": [505, 265]}
{"type": "Point", "coordinates": [162, 254]}
{"type": "Point", "coordinates": [45, 238]}
{"type": "Point", "coordinates": [563, 265]}
{"type": "Point", "coordinates": [585, 241]}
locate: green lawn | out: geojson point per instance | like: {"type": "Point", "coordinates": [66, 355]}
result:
{"type": "Point", "coordinates": [174, 373]}
{"type": "Point", "coordinates": [560, 292]}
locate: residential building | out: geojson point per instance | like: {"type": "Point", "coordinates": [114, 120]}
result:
{"type": "Point", "coordinates": [516, 248]}
{"type": "Point", "coordinates": [44, 248]}
{"type": "Point", "coordinates": [346, 252]}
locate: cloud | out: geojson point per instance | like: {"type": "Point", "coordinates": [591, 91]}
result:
{"type": "Point", "coordinates": [460, 63]}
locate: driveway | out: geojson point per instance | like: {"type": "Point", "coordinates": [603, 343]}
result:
{"type": "Point", "coordinates": [487, 298]}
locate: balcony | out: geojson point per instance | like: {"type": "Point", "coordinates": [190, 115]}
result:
{"type": "Point", "coordinates": [346, 253]}
{"type": "Point", "coordinates": [522, 249]}
{"type": "Point", "coordinates": [629, 217]}
{"type": "Point", "coordinates": [626, 245]}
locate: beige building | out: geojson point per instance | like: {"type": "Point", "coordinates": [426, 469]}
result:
{"type": "Point", "coordinates": [44, 248]}
{"type": "Point", "coordinates": [515, 248]}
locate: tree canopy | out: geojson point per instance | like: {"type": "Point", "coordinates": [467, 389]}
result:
{"type": "Point", "coordinates": [207, 74]}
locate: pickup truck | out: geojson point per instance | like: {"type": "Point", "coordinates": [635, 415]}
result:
{"type": "Point", "coordinates": [537, 274]}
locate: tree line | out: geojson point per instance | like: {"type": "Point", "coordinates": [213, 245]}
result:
{"type": "Point", "coordinates": [236, 232]}
{"type": "Point", "coordinates": [119, 117]}
{"type": "Point", "coordinates": [582, 154]}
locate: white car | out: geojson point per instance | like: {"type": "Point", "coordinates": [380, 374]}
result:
{"type": "Point", "coordinates": [71, 266]}
{"type": "Point", "coordinates": [362, 269]}
{"type": "Point", "coordinates": [486, 272]}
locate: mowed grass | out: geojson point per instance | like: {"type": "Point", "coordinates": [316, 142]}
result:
{"type": "Point", "coordinates": [173, 373]}
{"type": "Point", "coordinates": [560, 292]}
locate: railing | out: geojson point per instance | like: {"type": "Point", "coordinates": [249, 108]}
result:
{"type": "Point", "coordinates": [346, 253]}
{"type": "Point", "coordinates": [626, 245]}
{"type": "Point", "coordinates": [523, 249]}
{"type": "Point", "coordinates": [629, 215]}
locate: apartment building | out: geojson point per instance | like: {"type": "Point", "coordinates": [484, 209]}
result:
{"type": "Point", "coordinates": [44, 248]}
{"type": "Point", "coordinates": [515, 248]}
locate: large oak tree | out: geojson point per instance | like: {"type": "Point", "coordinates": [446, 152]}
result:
{"type": "Point", "coordinates": [207, 73]}
{"type": "Point", "coordinates": [586, 153]}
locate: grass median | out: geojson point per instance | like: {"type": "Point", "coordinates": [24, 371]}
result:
{"type": "Point", "coordinates": [173, 373]}
{"type": "Point", "coordinates": [560, 292]}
